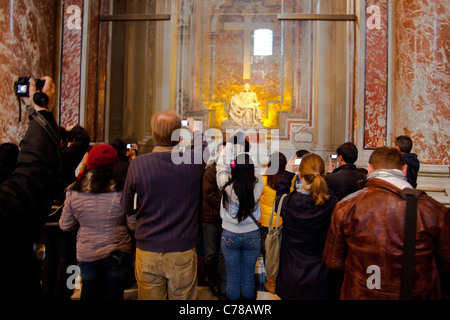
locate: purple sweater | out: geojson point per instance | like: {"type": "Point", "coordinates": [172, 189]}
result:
{"type": "Point", "coordinates": [167, 199]}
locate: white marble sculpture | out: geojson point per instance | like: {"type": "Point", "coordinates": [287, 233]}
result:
{"type": "Point", "coordinates": [243, 109]}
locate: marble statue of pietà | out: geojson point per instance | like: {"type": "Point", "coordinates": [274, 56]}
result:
{"type": "Point", "coordinates": [243, 109]}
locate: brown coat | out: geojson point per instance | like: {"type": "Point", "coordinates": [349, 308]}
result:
{"type": "Point", "coordinates": [212, 196]}
{"type": "Point", "coordinates": [367, 229]}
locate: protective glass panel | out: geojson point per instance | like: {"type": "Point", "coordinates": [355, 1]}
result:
{"type": "Point", "coordinates": [300, 71]}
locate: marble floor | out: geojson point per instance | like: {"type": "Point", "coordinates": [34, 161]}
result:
{"type": "Point", "coordinates": [203, 293]}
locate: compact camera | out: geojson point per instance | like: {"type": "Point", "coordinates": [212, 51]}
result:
{"type": "Point", "coordinates": [297, 161]}
{"type": "Point", "coordinates": [333, 156]}
{"type": "Point", "coordinates": [22, 86]}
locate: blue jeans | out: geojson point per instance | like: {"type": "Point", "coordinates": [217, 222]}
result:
{"type": "Point", "coordinates": [241, 251]}
{"type": "Point", "coordinates": [105, 279]}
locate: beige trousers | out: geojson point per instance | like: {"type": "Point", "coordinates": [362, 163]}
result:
{"type": "Point", "coordinates": [162, 275]}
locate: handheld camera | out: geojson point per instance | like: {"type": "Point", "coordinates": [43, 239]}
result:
{"type": "Point", "coordinates": [22, 86]}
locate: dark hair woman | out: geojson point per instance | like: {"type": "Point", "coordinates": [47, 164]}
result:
{"type": "Point", "coordinates": [103, 242]}
{"type": "Point", "coordinates": [241, 185]}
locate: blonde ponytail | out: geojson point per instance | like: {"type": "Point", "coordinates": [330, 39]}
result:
{"type": "Point", "coordinates": [319, 190]}
{"type": "Point", "coordinates": [312, 169]}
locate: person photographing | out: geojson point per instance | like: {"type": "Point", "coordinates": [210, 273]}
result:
{"type": "Point", "coordinates": [241, 184]}
{"type": "Point", "coordinates": [26, 197]}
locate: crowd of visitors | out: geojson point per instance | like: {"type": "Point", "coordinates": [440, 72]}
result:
{"type": "Point", "coordinates": [124, 219]}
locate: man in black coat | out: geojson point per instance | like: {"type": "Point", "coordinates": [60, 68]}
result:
{"type": "Point", "coordinates": [25, 200]}
{"type": "Point", "coordinates": [404, 144]}
{"type": "Point", "coordinates": [9, 152]}
{"type": "Point", "coordinates": [343, 180]}
{"type": "Point", "coordinates": [60, 246]}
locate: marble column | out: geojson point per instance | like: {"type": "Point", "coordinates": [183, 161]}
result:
{"type": "Point", "coordinates": [376, 73]}
{"type": "Point", "coordinates": [330, 79]}
{"type": "Point", "coordinates": [27, 38]}
{"type": "Point", "coordinates": [96, 71]}
{"type": "Point", "coordinates": [137, 74]}
{"type": "Point", "coordinates": [71, 63]}
{"type": "Point", "coordinates": [422, 81]}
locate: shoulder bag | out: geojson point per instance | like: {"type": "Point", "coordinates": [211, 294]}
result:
{"type": "Point", "coordinates": [409, 242]}
{"type": "Point", "coordinates": [273, 242]}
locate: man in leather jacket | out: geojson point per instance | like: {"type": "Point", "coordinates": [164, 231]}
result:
{"type": "Point", "coordinates": [25, 200]}
{"type": "Point", "coordinates": [367, 230]}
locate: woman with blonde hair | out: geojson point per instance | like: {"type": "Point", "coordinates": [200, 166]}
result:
{"type": "Point", "coordinates": [306, 216]}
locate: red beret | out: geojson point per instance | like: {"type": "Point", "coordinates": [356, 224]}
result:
{"type": "Point", "coordinates": [102, 156]}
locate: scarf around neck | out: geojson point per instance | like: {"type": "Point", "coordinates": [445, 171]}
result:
{"type": "Point", "coordinates": [393, 176]}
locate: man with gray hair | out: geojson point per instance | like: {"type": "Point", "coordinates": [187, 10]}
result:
{"type": "Point", "coordinates": [165, 198]}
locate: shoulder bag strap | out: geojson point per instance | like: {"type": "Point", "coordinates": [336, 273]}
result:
{"type": "Point", "coordinates": [255, 221]}
{"type": "Point", "coordinates": [44, 124]}
{"type": "Point", "coordinates": [278, 212]}
{"type": "Point", "coordinates": [409, 241]}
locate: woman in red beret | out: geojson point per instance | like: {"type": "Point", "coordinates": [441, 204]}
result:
{"type": "Point", "coordinates": [103, 242]}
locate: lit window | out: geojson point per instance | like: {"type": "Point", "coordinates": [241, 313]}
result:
{"type": "Point", "coordinates": [263, 42]}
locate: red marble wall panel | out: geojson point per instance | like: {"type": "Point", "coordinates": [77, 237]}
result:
{"type": "Point", "coordinates": [376, 73]}
{"type": "Point", "coordinates": [27, 35]}
{"type": "Point", "coordinates": [422, 95]}
{"type": "Point", "coordinates": [71, 63]}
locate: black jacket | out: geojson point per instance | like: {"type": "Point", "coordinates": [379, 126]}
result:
{"type": "Point", "coordinates": [413, 168]}
{"type": "Point", "coordinates": [5, 172]}
{"type": "Point", "coordinates": [25, 200]}
{"type": "Point", "coordinates": [302, 274]}
{"type": "Point", "coordinates": [72, 157]}
{"type": "Point", "coordinates": [344, 180]}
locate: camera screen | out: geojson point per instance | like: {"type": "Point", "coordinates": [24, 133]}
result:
{"type": "Point", "coordinates": [184, 123]}
{"type": "Point", "coordinates": [23, 88]}
{"type": "Point", "coordinates": [333, 156]}
{"type": "Point", "coordinates": [129, 146]}
{"type": "Point", "coordinates": [297, 162]}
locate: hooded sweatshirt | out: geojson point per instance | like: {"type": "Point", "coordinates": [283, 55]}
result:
{"type": "Point", "coordinates": [413, 167]}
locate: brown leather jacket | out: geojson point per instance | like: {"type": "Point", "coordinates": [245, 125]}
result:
{"type": "Point", "coordinates": [367, 229]}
